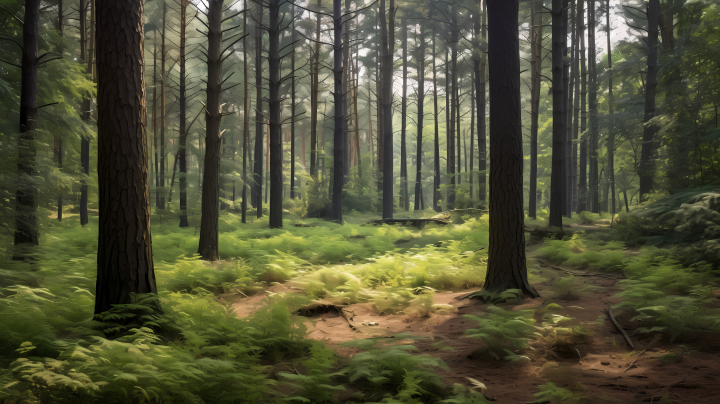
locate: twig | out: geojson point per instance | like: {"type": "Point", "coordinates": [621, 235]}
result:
{"type": "Point", "coordinates": [633, 362]}
{"type": "Point", "coordinates": [619, 328]}
{"type": "Point", "coordinates": [576, 273]}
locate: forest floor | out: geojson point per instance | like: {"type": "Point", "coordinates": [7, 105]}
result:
{"type": "Point", "coordinates": [604, 368]}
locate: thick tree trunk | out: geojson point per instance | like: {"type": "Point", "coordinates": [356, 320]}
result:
{"type": "Point", "coordinates": [182, 159]}
{"type": "Point", "coordinates": [26, 224]}
{"type": "Point", "coordinates": [421, 112]}
{"type": "Point", "coordinates": [387, 97]}
{"type": "Point", "coordinates": [258, 160]}
{"type": "Point", "coordinates": [535, 71]}
{"type": "Point", "coordinates": [559, 133]}
{"type": "Point", "coordinates": [436, 150]}
{"type": "Point", "coordinates": [647, 164]}
{"type": "Point", "coordinates": [246, 119]}
{"type": "Point", "coordinates": [339, 135]}
{"type": "Point", "coordinates": [208, 245]}
{"type": "Point", "coordinates": [275, 124]}
{"type": "Point", "coordinates": [507, 267]}
{"type": "Point", "coordinates": [404, 201]}
{"type": "Point", "coordinates": [124, 259]}
{"type": "Point", "coordinates": [593, 143]}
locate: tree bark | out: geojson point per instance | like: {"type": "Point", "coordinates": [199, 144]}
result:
{"type": "Point", "coordinates": [535, 71]}
{"type": "Point", "coordinates": [208, 245]}
{"type": "Point", "coordinates": [404, 200]}
{"type": "Point", "coordinates": [582, 176]}
{"type": "Point", "coordinates": [292, 109]}
{"type": "Point", "coordinates": [611, 123]}
{"type": "Point", "coordinates": [258, 160]}
{"type": "Point", "coordinates": [388, 50]}
{"type": "Point", "coordinates": [507, 267]}
{"type": "Point", "coordinates": [421, 112]}
{"type": "Point", "coordinates": [124, 259]}
{"type": "Point", "coordinates": [84, 141]}
{"type": "Point", "coordinates": [160, 198]}
{"type": "Point", "coordinates": [182, 159]}
{"type": "Point", "coordinates": [593, 144]}
{"type": "Point", "coordinates": [482, 123]}
{"type": "Point", "coordinates": [436, 159]}
{"type": "Point", "coordinates": [452, 180]}
{"type": "Point", "coordinates": [246, 119]}
{"type": "Point", "coordinates": [567, 110]}
{"type": "Point", "coordinates": [58, 141]}
{"type": "Point", "coordinates": [275, 124]}
{"type": "Point", "coordinates": [26, 224]}
{"type": "Point", "coordinates": [559, 133]}
{"type": "Point", "coordinates": [339, 135]}
{"type": "Point", "coordinates": [647, 164]}
{"type": "Point", "coordinates": [314, 88]}
{"type": "Point", "coordinates": [576, 100]}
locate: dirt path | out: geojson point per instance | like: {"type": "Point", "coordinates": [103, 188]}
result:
{"type": "Point", "coordinates": [605, 367]}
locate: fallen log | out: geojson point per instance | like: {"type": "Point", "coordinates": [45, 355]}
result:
{"type": "Point", "coordinates": [619, 328]}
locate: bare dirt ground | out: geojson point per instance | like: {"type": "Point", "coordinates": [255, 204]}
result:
{"type": "Point", "coordinates": [608, 369]}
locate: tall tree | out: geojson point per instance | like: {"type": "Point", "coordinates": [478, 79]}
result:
{"type": "Point", "coordinates": [314, 93]}
{"type": "Point", "coordinates": [388, 48]}
{"type": "Point", "coordinates": [647, 163]}
{"type": "Point", "coordinates": [26, 224]}
{"type": "Point", "coordinates": [611, 123]}
{"type": "Point", "coordinates": [451, 148]}
{"type": "Point", "coordinates": [593, 143]}
{"type": "Point", "coordinates": [340, 135]}
{"type": "Point", "coordinates": [292, 108]}
{"type": "Point", "coordinates": [582, 165]}
{"type": "Point", "coordinates": [258, 160]}
{"type": "Point", "coordinates": [246, 117]}
{"type": "Point", "coordinates": [124, 258]}
{"type": "Point", "coordinates": [84, 141]}
{"type": "Point", "coordinates": [275, 209]}
{"type": "Point", "coordinates": [404, 201]}
{"type": "Point", "coordinates": [420, 111]}
{"type": "Point", "coordinates": [559, 133]}
{"type": "Point", "coordinates": [182, 101]}
{"type": "Point", "coordinates": [576, 101]}
{"type": "Point", "coordinates": [535, 73]}
{"type": "Point", "coordinates": [481, 104]}
{"type": "Point", "coordinates": [58, 140]}
{"type": "Point", "coordinates": [208, 245]}
{"type": "Point", "coordinates": [436, 151]}
{"type": "Point", "coordinates": [507, 266]}
{"type": "Point", "coordinates": [160, 196]}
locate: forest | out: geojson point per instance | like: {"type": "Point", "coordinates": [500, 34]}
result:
{"type": "Point", "coordinates": [374, 201]}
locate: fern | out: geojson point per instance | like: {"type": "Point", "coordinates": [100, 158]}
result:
{"type": "Point", "coordinates": [503, 332]}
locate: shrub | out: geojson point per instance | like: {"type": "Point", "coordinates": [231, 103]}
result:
{"type": "Point", "coordinates": [503, 332]}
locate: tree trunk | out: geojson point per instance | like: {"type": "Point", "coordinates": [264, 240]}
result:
{"type": "Point", "coordinates": [436, 159]}
{"type": "Point", "coordinates": [84, 141]}
{"type": "Point", "coordinates": [208, 246]}
{"type": "Point", "coordinates": [593, 144]}
{"type": "Point", "coordinates": [314, 88]}
{"type": "Point", "coordinates": [160, 198]}
{"type": "Point", "coordinates": [647, 164]}
{"type": "Point", "coordinates": [559, 133]}
{"type": "Point", "coordinates": [611, 123]}
{"type": "Point", "coordinates": [246, 119]}
{"type": "Point", "coordinates": [388, 50]}
{"type": "Point", "coordinates": [58, 141]}
{"type": "Point", "coordinates": [182, 159]}
{"type": "Point", "coordinates": [26, 223]}
{"type": "Point", "coordinates": [582, 176]}
{"type": "Point", "coordinates": [154, 123]}
{"type": "Point", "coordinates": [482, 124]}
{"type": "Point", "coordinates": [421, 112]}
{"type": "Point", "coordinates": [339, 135]}
{"type": "Point", "coordinates": [576, 100]}
{"type": "Point", "coordinates": [535, 71]}
{"type": "Point", "coordinates": [292, 110]}
{"type": "Point", "coordinates": [404, 202]}
{"type": "Point", "coordinates": [567, 88]}
{"type": "Point", "coordinates": [507, 267]}
{"type": "Point", "coordinates": [380, 121]}
{"type": "Point", "coordinates": [124, 258]}
{"type": "Point", "coordinates": [453, 103]}
{"type": "Point", "coordinates": [258, 160]}
{"type": "Point", "coordinates": [275, 124]}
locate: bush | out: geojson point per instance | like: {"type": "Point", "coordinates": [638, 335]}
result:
{"type": "Point", "coordinates": [504, 332]}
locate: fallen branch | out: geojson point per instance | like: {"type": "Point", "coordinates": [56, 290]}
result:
{"type": "Point", "coordinates": [577, 273]}
{"type": "Point", "coordinates": [619, 328]}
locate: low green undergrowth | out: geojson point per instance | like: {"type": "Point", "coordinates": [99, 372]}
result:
{"type": "Point", "coordinates": [505, 333]}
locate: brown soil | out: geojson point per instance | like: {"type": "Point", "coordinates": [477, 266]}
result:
{"type": "Point", "coordinates": [609, 371]}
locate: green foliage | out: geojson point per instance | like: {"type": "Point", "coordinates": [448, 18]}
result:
{"type": "Point", "coordinates": [549, 392]}
{"type": "Point", "coordinates": [568, 288]}
{"type": "Point", "coordinates": [504, 332]}
{"type": "Point", "coordinates": [317, 384]}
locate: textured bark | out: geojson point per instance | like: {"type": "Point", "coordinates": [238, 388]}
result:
{"type": "Point", "coordinates": [275, 125]}
{"type": "Point", "coordinates": [380, 121]}
{"type": "Point", "coordinates": [339, 134]}
{"type": "Point", "coordinates": [576, 101]}
{"type": "Point", "coordinates": [436, 149]}
{"type": "Point", "coordinates": [535, 70]}
{"type": "Point", "coordinates": [421, 112]}
{"type": "Point", "coordinates": [258, 160]}
{"type": "Point", "coordinates": [160, 190]}
{"type": "Point", "coordinates": [387, 97]}
{"type": "Point", "coordinates": [567, 89]}
{"type": "Point", "coordinates": [451, 147]}
{"type": "Point", "coordinates": [155, 117]}
{"type": "Point", "coordinates": [647, 164]}
{"type": "Point", "coordinates": [593, 140]}
{"type": "Point", "coordinates": [246, 119]}
{"type": "Point", "coordinates": [404, 201]}
{"type": "Point", "coordinates": [182, 100]}
{"type": "Point", "coordinates": [208, 246]}
{"type": "Point", "coordinates": [507, 267]}
{"type": "Point", "coordinates": [26, 225]}
{"type": "Point", "coordinates": [58, 141]}
{"type": "Point", "coordinates": [345, 102]}
{"type": "Point", "coordinates": [559, 133]}
{"type": "Point", "coordinates": [124, 259]}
